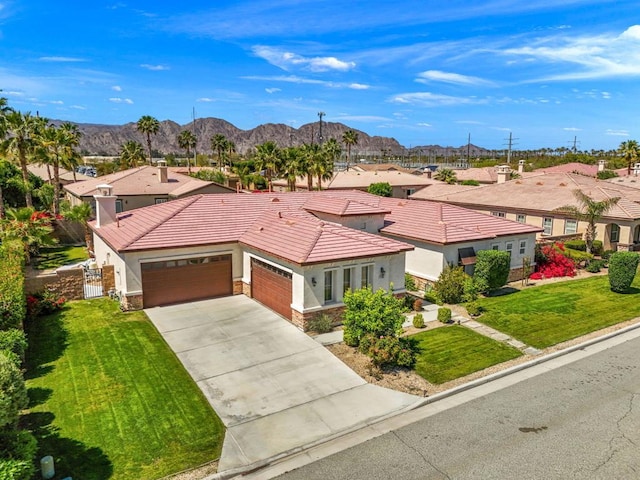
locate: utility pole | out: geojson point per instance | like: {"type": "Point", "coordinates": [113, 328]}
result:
{"type": "Point", "coordinates": [575, 144]}
{"type": "Point", "coordinates": [195, 146]}
{"type": "Point", "coordinates": [469, 150]}
{"type": "Point", "coordinates": [320, 115]}
{"type": "Point", "coordinates": [510, 147]}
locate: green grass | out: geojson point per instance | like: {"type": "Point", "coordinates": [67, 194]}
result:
{"type": "Point", "coordinates": [556, 312]}
{"type": "Point", "coordinates": [109, 400]}
{"type": "Point", "coordinates": [452, 352]}
{"type": "Point", "coordinates": [54, 257]}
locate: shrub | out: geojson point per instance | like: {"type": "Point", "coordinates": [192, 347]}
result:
{"type": "Point", "coordinates": [17, 444]}
{"type": "Point", "coordinates": [367, 312]}
{"type": "Point", "coordinates": [553, 262]}
{"type": "Point", "coordinates": [382, 189]}
{"type": "Point", "coordinates": [594, 266]}
{"type": "Point", "coordinates": [321, 323]}
{"type": "Point", "coordinates": [14, 342]}
{"type": "Point", "coordinates": [576, 245]}
{"type": "Point", "coordinates": [432, 297]}
{"type": "Point", "coordinates": [388, 350]}
{"type": "Point", "coordinates": [471, 289]}
{"type": "Point", "coordinates": [622, 270]}
{"type": "Point", "coordinates": [473, 183]}
{"type": "Point", "coordinates": [607, 254]}
{"type": "Point", "coordinates": [409, 283]}
{"type": "Point", "coordinates": [597, 248]}
{"type": "Point", "coordinates": [492, 268]}
{"type": "Point", "coordinates": [12, 298]}
{"type": "Point", "coordinates": [13, 392]}
{"type": "Point", "coordinates": [444, 315]}
{"type": "Point", "coordinates": [577, 255]}
{"type": "Point", "coordinates": [606, 174]}
{"type": "Point", "coordinates": [474, 309]}
{"type": "Point", "coordinates": [16, 469]}
{"type": "Point", "coordinates": [417, 305]}
{"type": "Point", "coordinates": [449, 287]}
{"type": "Point", "coordinates": [418, 320]}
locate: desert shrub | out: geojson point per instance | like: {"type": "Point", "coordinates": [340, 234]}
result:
{"type": "Point", "coordinates": [388, 350]}
{"type": "Point", "coordinates": [418, 320]}
{"type": "Point", "coordinates": [321, 323]}
{"type": "Point", "coordinates": [622, 270]}
{"type": "Point", "coordinates": [417, 305]}
{"type": "Point", "coordinates": [14, 343]}
{"type": "Point", "coordinates": [449, 287]}
{"type": "Point", "coordinates": [367, 312]}
{"type": "Point", "coordinates": [553, 262]}
{"type": "Point", "coordinates": [492, 268]}
{"type": "Point", "coordinates": [13, 392]}
{"type": "Point", "coordinates": [409, 283]}
{"type": "Point", "coordinates": [12, 298]}
{"type": "Point", "coordinates": [594, 266]}
{"type": "Point", "coordinates": [444, 315]}
{"type": "Point", "coordinates": [474, 309]}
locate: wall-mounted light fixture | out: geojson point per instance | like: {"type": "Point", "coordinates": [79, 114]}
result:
{"type": "Point", "coordinates": [313, 281]}
{"type": "Point", "coordinates": [382, 272]}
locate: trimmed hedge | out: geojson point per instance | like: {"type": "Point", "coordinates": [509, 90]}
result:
{"type": "Point", "coordinates": [581, 245]}
{"type": "Point", "coordinates": [622, 270]}
{"type": "Point", "coordinates": [444, 314]}
{"type": "Point", "coordinates": [492, 268]}
{"type": "Point", "coordinates": [12, 298]}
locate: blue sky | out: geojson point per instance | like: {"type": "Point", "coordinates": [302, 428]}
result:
{"type": "Point", "coordinates": [423, 72]}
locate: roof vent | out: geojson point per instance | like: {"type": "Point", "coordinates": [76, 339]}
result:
{"type": "Point", "coordinates": [563, 185]}
{"type": "Point", "coordinates": [275, 199]}
{"type": "Point", "coordinates": [539, 183]}
{"type": "Point", "coordinates": [279, 214]}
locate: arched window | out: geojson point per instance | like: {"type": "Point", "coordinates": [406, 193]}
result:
{"type": "Point", "coordinates": [615, 233]}
{"type": "Point", "coordinates": [636, 234]}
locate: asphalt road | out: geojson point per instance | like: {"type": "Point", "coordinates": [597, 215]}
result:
{"type": "Point", "coordinates": [579, 421]}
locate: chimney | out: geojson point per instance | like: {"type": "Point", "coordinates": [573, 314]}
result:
{"type": "Point", "coordinates": [601, 164]}
{"type": "Point", "coordinates": [105, 206]}
{"type": "Point", "coordinates": [520, 166]}
{"type": "Point", "coordinates": [636, 169]}
{"type": "Point", "coordinates": [162, 171]}
{"type": "Point", "coordinates": [504, 173]}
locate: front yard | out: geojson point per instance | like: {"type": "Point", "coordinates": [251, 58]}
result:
{"type": "Point", "coordinates": [109, 400]}
{"type": "Point", "coordinates": [545, 315]}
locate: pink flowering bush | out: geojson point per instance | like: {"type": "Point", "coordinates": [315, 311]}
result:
{"type": "Point", "coordinates": [552, 261]}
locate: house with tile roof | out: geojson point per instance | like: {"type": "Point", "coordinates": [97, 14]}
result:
{"type": "Point", "coordinates": [296, 253]}
{"type": "Point", "coordinates": [535, 199]}
{"type": "Point", "coordinates": [142, 186]}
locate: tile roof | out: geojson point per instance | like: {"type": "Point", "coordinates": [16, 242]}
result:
{"type": "Point", "coordinates": [373, 167]}
{"type": "Point", "coordinates": [139, 181]}
{"type": "Point", "coordinates": [63, 173]}
{"type": "Point", "coordinates": [361, 180]}
{"type": "Point", "coordinates": [482, 175]}
{"type": "Point", "coordinates": [341, 206]}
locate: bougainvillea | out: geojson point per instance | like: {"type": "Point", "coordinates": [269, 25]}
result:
{"type": "Point", "coordinates": [553, 262]}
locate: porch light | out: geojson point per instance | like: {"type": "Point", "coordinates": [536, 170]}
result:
{"type": "Point", "coordinates": [382, 272]}
{"type": "Point", "coordinates": [313, 281]}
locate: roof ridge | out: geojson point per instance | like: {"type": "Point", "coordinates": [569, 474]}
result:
{"type": "Point", "coordinates": [314, 242]}
{"type": "Point", "coordinates": [191, 201]}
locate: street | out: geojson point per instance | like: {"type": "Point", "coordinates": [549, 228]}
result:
{"type": "Point", "coordinates": [579, 421]}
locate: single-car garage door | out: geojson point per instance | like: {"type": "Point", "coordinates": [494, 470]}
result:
{"type": "Point", "coordinates": [174, 281]}
{"type": "Point", "coordinates": [271, 287]}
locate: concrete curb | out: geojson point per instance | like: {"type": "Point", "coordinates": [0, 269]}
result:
{"type": "Point", "coordinates": [420, 403]}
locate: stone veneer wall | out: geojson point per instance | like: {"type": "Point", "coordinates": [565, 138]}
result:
{"type": "Point", "coordinates": [301, 320]}
{"type": "Point", "coordinates": [131, 302]}
{"type": "Point", "coordinates": [238, 287]}
{"type": "Point", "coordinates": [422, 284]}
{"type": "Point", "coordinates": [108, 279]}
{"type": "Point", "coordinates": [66, 283]}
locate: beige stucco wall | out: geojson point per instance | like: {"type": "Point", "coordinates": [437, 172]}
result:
{"type": "Point", "coordinates": [366, 223]}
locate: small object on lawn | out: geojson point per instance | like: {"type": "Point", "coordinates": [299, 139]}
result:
{"type": "Point", "coordinates": [47, 468]}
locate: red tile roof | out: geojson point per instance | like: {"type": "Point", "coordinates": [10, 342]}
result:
{"type": "Point", "coordinates": [341, 206]}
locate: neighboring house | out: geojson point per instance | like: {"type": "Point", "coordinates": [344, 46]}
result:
{"type": "Point", "coordinates": [66, 176]}
{"type": "Point", "coordinates": [480, 175]}
{"type": "Point", "coordinates": [141, 187]}
{"type": "Point", "coordinates": [534, 200]}
{"type": "Point", "coordinates": [580, 169]}
{"type": "Point", "coordinates": [297, 253]}
{"type": "Point", "coordinates": [402, 184]}
{"type": "Point", "coordinates": [379, 167]}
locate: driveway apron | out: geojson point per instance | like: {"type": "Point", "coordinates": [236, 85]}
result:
{"type": "Point", "coordinates": [275, 388]}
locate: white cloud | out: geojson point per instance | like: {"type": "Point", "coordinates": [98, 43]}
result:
{"type": "Point", "coordinates": [423, 124]}
{"type": "Point", "coordinates": [116, 88]}
{"type": "Point", "coordinates": [572, 129]}
{"type": "Point", "coordinates": [605, 95]}
{"type": "Point", "coordinates": [470, 122]}
{"type": "Point", "coordinates": [287, 60]}
{"type": "Point", "coordinates": [61, 59]}
{"type": "Point", "coordinates": [78, 107]}
{"type": "Point", "coordinates": [454, 78]}
{"type": "Point", "coordinates": [155, 68]}
{"type": "Point", "coordinates": [359, 86]}
{"type": "Point", "coordinates": [121, 100]}
{"type": "Point", "coordinates": [433, 99]}
{"type": "Point", "coordinates": [361, 118]}
{"type": "Point", "coordinates": [56, 102]}
{"type": "Point", "coordinates": [272, 90]}
{"type": "Point", "coordinates": [304, 80]}
{"type": "Point", "coordinates": [205, 99]}
{"type": "Point", "coordinates": [617, 133]}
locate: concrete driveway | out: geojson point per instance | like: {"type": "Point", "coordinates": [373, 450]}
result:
{"type": "Point", "coordinates": [275, 388]}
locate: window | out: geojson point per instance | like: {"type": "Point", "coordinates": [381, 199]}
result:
{"type": "Point", "coordinates": [547, 224]}
{"type": "Point", "coordinates": [118, 206]}
{"type": "Point", "coordinates": [509, 248]}
{"type": "Point", "coordinates": [523, 247]}
{"type": "Point", "coordinates": [499, 214]}
{"type": "Point", "coordinates": [521, 217]}
{"type": "Point", "coordinates": [347, 279]}
{"type": "Point", "coordinates": [161, 200]}
{"type": "Point", "coordinates": [329, 292]}
{"type": "Point", "coordinates": [366, 276]}
{"type": "Point", "coordinates": [570, 226]}
{"type": "Point", "coordinates": [410, 191]}
{"type": "Point", "coordinates": [495, 246]}
{"type": "Point", "coordinates": [615, 233]}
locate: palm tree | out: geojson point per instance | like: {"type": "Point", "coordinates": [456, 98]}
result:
{"type": "Point", "coordinates": [187, 140]}
{"type": "Point", "coordinates": [27, 226]}
{"type": "Point", "coordinates": [268, 158]}
{"type": "Point", "coordinates": [219, 144]}
{"type": "Point", "coordinates": [20, 143]}
{"type": "Point", "coordinates": [292, 158]}
{"type": "Point", "coordinates": [82, 213]}
{"type": "Point", "coordinates": [131, 155]}
{"type": "Point", "coordinates": [71, 140]}
{"type": "Point", "coordinates": [446, 175]}
{"type": "Point", "coordinates": [148, 125]}
{"type": "Point", "coordinates": [333, 149]}
{"type": "Point", "coordinates": [243, 171]}
{"type": "Point", "coordinates": [4, 109]}
{"type": "Point", "coordinates": [349, 138]}
{"type": "Point", "coordinates": [590, 211]}
{"type": "Point", "coordinates": [319, 164]}
{"type": "Point", "coordinates": [630, 151]}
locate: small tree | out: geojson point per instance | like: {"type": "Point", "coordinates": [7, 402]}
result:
{"type": "Point", "coordinates": [367, 312]}
{"type": "Point", "coordinates": [450, 284]}
{"type": "Point", "coordinates": [622, 270]}
{"type": "Point", "coordinates": [13, 392]}
{"type": "Point", "coordinates": [492, 269]}
{"type": "Point", "coordinates": [382, 189]}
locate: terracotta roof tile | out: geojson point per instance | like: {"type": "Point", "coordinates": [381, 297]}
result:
{"type": "Point", "coordinates": [341, 206]}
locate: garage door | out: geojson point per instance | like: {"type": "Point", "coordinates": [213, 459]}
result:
{"type": "Point", "coordinates": [271, 287]}
{"type": "Point", "coordinates": [175, 281]}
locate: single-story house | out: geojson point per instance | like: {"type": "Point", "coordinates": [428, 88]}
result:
{"type": "Point", "coordinates": [66, 176]}
{"type": "Point", "coordinates": [536, 198]}
{"type": "Point", "coordinates": [142, 186]}
{"type": "Point", "coordinates": [297, 253]}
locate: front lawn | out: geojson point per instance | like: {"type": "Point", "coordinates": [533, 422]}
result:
{"type": "Point", "coordinates": [447, 353]}
{"type": "Point", "coordinates": [54, 257]}
{"type": "Point", "coordinates": [109, 400]}
{"type": "Point", "coordinates": [553, 313]}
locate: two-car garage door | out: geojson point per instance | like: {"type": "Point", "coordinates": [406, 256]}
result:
{"type": "Point", "coordinates": [174, 281]}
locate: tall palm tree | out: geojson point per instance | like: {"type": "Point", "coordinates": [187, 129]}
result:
{"type": "Point", "coordinates": [268, 158]}
{"type": "Point", "coordinates": [187, 140]}
{"type": "Point", "coordinates": [29, 227]}
{"type": "Point", "coordinates": [590, 211]}
{"type": "Point", "coordinates": [148, 125]}
{"type": "Point", "coordinates": [333, 149]}
{"type": "Point", "coordinates": [630, 151]}
{"type": "Point", "coordinates": [349, 138]}
{"type": "Point", "coordinates": [292, 158]}
{"type": "Point", "coordinates": [219, 144]}
{"type": "Point", "coordinates": [131, 155]}
{"type": "Point", "coordinates": [71, 140]}
{"type": "Point", "coordinates": [319, 164]}
{"type": "Point", "coordinates": [243, 171]}
{"type": "Point", "coordinates": [82, 213]}
{"type": "Point", "coordinates": [4, 109]}
{"type": "Point", "coordinates": [20, 142]}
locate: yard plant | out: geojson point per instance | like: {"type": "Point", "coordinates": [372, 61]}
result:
{"type": "Point", "coordinates": [492, 269]}
{"type": "Point", "coordinates": [622, 270]}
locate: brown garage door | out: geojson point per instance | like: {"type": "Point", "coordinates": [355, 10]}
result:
{"type": "Point", "coordinates": [175, 281]}
{"type": "Point", "coordinates": [271, 287]}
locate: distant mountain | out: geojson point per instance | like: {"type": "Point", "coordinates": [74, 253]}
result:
{"type": "Point", "coordinates": [107, 139]}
